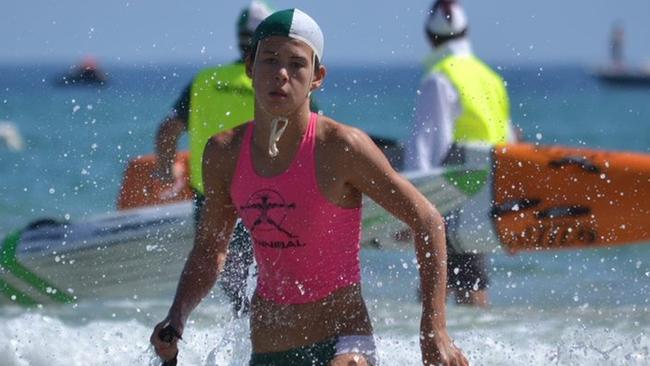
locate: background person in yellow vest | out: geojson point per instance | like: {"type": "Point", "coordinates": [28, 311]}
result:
{"type": "Point", "coordinates": [460, 101]}
{"type": "Point", "coordinates": [218, 99]}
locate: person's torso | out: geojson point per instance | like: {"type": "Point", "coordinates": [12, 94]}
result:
{"type": "Point", "coordinates": [221, 98]}
{"type": "Point", "coordinates": [485, 106]}
{"type": "Point", "coordinates": [278, 327]}
{"type": "Point", "coordinates": [305, 246]}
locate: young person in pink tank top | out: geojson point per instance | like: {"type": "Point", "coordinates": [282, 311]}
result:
{"type": "Point", "coordinates": [297, 180]}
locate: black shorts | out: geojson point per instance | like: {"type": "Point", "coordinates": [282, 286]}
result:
{"type": "Point", "coordinates": [321, 353]}
{"type": "Point", "coordinates": [198, 199]}
{"type": "Point", "coordinates": [466, 272]}
{"type": "Point", "coordinates": [317, 354]}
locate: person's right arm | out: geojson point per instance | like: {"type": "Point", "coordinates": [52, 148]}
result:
{"type": "Point", "coordinates": [168, 134]}
{"type": "Point", "coordinates": [208, 255]}
{"type": "Point", "coordinates": [436, 109]}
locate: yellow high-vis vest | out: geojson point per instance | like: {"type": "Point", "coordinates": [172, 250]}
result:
{"type": "Point", "coordinates": [221, 98]}
{"type": "Point", "coordinates": [485, 115]}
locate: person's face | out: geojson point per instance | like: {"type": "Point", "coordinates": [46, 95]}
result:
{"type": "Point", "coordinates": [244, 42]}
{"type": "Point", "coordinates": [283, 74]}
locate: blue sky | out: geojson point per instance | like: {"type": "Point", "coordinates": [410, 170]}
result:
{"type": "Point", "coordinates": [356, 31]}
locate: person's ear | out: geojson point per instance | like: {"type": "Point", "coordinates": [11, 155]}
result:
{"type": "Point", "coordinates": [319, 78]}
{"type": "Point", "coordinates": [249, 65]}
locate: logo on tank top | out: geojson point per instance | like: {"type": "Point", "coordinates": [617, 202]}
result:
{"type": "Point", "coordinates": [266, 210]}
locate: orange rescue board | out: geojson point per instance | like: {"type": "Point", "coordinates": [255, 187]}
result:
{"type": "Point", "coordinates": [558, 197]}
{"type": "Point", "coordinates": [141, 188]}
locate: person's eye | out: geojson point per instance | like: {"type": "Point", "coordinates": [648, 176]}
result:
{"type": "Point", "coordinates": [270, 60]}
{"type": "Point", "coordinates": [297, 64]}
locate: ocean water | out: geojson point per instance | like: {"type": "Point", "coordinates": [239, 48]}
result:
{"type": "Point", "coordinates": [587, 307]}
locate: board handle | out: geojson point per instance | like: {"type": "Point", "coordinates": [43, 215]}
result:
{"type": "Point", "coordinates": [513, 206]}
{"type": "Point", "coordinates": [580, 161]}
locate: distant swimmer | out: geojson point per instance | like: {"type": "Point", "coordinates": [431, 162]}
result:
{"type": "Point", "coordinates": [461, 101]}
{"type": "Point", "coordinates": [87, 73]}
{"type": "Point", "coordinates": [10, 136]}
{"type": "Point", "coordinates": [297, 179]}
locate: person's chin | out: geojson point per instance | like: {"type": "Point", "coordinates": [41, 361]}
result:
{"type": "Point", "coordinates": [278, 107]}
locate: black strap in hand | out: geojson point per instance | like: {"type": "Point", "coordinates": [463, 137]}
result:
{"type": "Point", "coordinates": [168, 334]}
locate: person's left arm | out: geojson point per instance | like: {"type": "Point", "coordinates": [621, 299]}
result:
{"type": "Point", "coordinates": [169, 131]}
{"type": "Point", "coordinates": [370, 172]}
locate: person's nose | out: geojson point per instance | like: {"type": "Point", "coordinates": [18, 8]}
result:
{"type": "Point", "coordinates": [282, 74]}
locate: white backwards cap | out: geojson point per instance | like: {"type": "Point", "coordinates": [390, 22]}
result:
{"type": "Point", "coordinates": [292, 23]}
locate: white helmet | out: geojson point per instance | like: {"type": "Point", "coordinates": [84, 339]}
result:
{"type": "Point", "coordinates": [446, 19]}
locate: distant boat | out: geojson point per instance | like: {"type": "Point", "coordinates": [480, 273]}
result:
{"type": "Point", "coordinates": [618, 72]}
{"type": "Point", "coordinates": [87, 73]}
{"type": "Point", "coordinates": [624, 76]}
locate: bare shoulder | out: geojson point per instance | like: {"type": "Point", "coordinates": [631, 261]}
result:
{"type": "Point", "coordinates": [227, 140]}
{"type": "Point", "coordinates": [221, 153]}
{"type": "Point", "coordinates": [340, 138]}
{"type": "Point", "coordinates": [350, 153]}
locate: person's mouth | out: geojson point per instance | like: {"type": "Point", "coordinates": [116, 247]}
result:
{"type": "Point", "coordinates": [278, 94]}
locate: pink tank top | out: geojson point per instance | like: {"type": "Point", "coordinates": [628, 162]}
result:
{"type": "Point", "coordinates": [305, 246]}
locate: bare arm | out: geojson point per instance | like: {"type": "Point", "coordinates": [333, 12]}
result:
{"type": "Point", "coordinates": [208, 255]}
{"type": "Point", "coordinates": [371, 174]}
{"type": "Point", "coordinates": [168, 133]}
{"type": "Point", "coordinates": [166, 142]}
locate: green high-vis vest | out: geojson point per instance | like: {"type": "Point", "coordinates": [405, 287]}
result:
{"type": "Point", "coordinates": [221, 98]}
{"type": "Point", "coordinates": [485, 115]}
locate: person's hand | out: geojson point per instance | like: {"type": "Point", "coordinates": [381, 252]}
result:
{"type": "Point", "coordinates": [165, 175]}
{"type": "Point", "coordinates": [439, 349]}
{"type": "Point", "coordinates": [171, 180]}
{"type": "Point", "coordinates": [165, 338]}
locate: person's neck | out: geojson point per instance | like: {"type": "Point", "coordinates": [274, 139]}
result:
{"type": "Point", "coordinates": [457, 47]}
{"type": "Point", "coordinates": [297, 123]}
